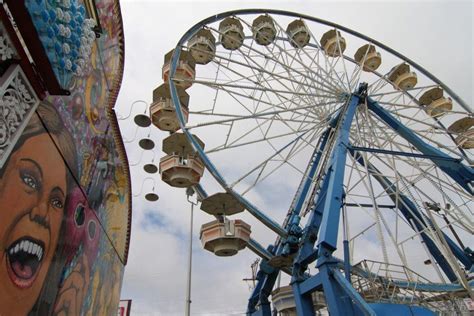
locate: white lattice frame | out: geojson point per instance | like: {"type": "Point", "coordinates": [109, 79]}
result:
{"type": "Point", "coordinates": [18, 102]}
{"type": "Point", "coordinates": [7, 49]}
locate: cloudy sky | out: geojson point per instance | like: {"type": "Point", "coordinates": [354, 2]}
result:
{"type": "Point", "coordinates": [437, 35]}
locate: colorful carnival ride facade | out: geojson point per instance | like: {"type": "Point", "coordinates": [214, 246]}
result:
{"type": "Point", "coordinates": [64, 178]}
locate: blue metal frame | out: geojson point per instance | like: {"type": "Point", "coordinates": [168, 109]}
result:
{"type": "Point", "coordinates": [459, 172]}
{"type": "Point", "coordinates": [341, 297]}
{"type": "Point", "coordinates": [325, 209]}
{"type": "Point", "coordinates": [415, 219]}
{"type": "Point", "coordinates": [267, 275]}
{"type": "Point", "coordinates": [324, 221]}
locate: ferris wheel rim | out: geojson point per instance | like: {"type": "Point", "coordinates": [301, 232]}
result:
{"type": "Point", "coordinates": [175, 57]}
{"type": "Point", "coordinates": [210, 166]}
{"type": "Point", "coordinates": [223, 15]}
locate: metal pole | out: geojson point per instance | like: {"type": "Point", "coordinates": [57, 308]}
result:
{"type": "Point", "coordinates": [190, 256]}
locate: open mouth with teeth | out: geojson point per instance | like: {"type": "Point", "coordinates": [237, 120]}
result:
{"type": "Point", "coordinates": [24, 257]}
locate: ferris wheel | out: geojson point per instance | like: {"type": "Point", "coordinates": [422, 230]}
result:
{"type": "Point", "coordinates": [357, 158]}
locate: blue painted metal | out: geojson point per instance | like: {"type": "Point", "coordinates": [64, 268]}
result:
{"type": "Point", "coordinates": [335, 173]}
{"type": "Point", "coordinates": [415, 218]}
{"type": "Point", "coordinates": [303, 300]}
{"type": "Point", "coordinates": [314, 163]}
{"type": "Point", "coordinates": [338, 300]}
{"type": "Point", "coordinates": [266, 277]}
{"type": "Point", "coordinates": [386, 309]}
{"type": "Point", "coordinates": [347, 260]}
{"type": "Point", "coordinates": [406, 154]}
{"type": "Point", "coordinates": [428, 287]}
{"type": "Point", "coordinates": [258, 249]}
{"type": "Point", "coordinates": [311, 284]}
{"type": "Point", "coordinates": [325, 220]}
{"type": "Point", "coordinates": [462, 174]}
{"type": "Point", "coordinates": [306, 251]}
{"type": "Point", "coordinates": [299, 201]}
{"type": "Point", "coordinates": [358, 300]}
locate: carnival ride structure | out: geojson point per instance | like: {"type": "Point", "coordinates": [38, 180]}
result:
{"type": "Point", "coordinates": [365, 155]}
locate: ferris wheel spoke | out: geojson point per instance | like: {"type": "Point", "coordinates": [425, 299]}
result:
{"type": "Point", "coordinates": [331, 73]}
{"type": "Point", "coordinates": [436, 143]}
{"type": "Point", "coordinates": [417, 107]}
{"type": "Point", "coordinates": [417, 89]}
{"type": "Point", "coordinates": [462, 222]}
{"type": "Point", "coordinates": [279, 63]}
{"type": "Point", "coordinates": [320, 72]}
{"type": "Point", "coordinates": [300, 85]}
{"type": "Point", "coordinates": [280, 105]}
{"type": "Point", "coordinates": [407, 160]}
{"type": "Point", "coordinates": [377, 85]}
{"type": "Point", "coordinates": [302, 64]}
{"type": "Point", "coordinates": [220, 85]}
{"type": "Point", "coordinates": [259, 74]}
{"type": "Point", "coordinates": [409, 207]}
{"type": "Point", "coordinates": [378, 216]}
{"type": "Point", "coordinates": [322, 85]}
{"type": "Point", "coordinates": [261, 176]}
{"type": "Point", "coordinates": [296, 147]}
{"type": "Point", "coordinates": [346, 72]}
{"type": "Point", "coordinates": [235, 96]}
{"type": "Point", "coordinates": [306, 66]}
{"type": "Point", "coordinates": [358, 69]}
{"type": "Point", "coordinates": [440, 240]}
{"type": "Point", "coordinates": [263, 164]}
{"type": "Point", "coordinates": [412, 162]}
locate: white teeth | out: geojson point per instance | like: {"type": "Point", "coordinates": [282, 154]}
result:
{"type": "Point", "coordinates": [28, 247]}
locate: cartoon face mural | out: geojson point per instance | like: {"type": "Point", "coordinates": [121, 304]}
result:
{"type": "Point", "coordinates": [33, 190]}
{"type": "Point", "coordinates": [64, 195]}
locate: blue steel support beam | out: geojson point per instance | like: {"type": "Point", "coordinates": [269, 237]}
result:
{"type": "Point", "coordinates": [414, 217]}
{"type": "Point", "coordinates": [356, 298]}
{"type": "Point", "coordinates": [255, 296]}
{"type": "Point", "coordinates": [401, 153]}
{"type": "Point", "coordinates": [334, 195]}
{"type": "Point", "coordinates": [462, 174]}
{"type": "Point", "coordinates": [325, 220]}
{"type": "Point", "coordinates": [311, 230]}
{"type": "Point", "coordinates": [309, 178]}
{"type": "Point", "coordinates": [266, 277]}
{"type": "Point", "coordinates": [267, 280]}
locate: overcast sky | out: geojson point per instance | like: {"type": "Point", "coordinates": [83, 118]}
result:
{"type": "Point", "coordinates": [437, 35]}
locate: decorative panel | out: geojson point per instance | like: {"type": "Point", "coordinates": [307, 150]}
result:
{"type": "Point", "coordinates": [18, 102]}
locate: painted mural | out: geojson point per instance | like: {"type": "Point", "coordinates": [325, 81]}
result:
{"type": "Point", "coordinates": [64, 194]}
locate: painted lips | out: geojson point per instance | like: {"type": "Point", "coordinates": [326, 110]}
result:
{"type": "Point", "coordinates": [24, 257]}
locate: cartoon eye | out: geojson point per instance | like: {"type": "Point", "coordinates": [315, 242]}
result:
{"type": "Point", "coordinates": [57, 203]}
{"type": "Point", "coordinates": [91, 229]}
{"type": "Point", "coordinates": [79, 215]}
{"type": "Point", "coordinates": [29, 180]}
